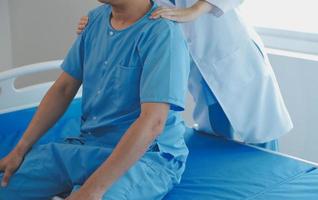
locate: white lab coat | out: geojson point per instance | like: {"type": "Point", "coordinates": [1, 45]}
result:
{"type": "Point", "coordinates": [231, 58]}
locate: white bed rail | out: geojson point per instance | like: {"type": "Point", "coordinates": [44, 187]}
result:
{"type": "Point", "coordinates": [12, 99]}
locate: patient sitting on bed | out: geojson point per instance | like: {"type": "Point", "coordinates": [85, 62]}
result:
{"type": "Point", "coordinates": [134, 74]}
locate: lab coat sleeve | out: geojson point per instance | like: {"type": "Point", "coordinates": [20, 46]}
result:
{"type": "Point", "coordinates": [165, 69]}
{"type": "Point", "coordinates": [223, 6]}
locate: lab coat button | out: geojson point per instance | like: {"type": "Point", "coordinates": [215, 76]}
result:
{"type": "Point", "coordinates": [94, 118]}
{"type": "Point", "coordinates": [111, 33]}
{"type": "Point", "coordinates": [106, 62]}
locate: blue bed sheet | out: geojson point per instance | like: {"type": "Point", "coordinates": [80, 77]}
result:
{"type": "Point", "coordinates": [221, 169]}
{"type": "Point", "coordinates": [216, 168]}
{"type": "Point", "coordinates": [12, 126]}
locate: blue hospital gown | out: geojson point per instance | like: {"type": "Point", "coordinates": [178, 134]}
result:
{"type": "Point", "coordinates": [119, 70]}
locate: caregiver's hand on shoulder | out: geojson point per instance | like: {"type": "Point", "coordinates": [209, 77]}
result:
{"type": "Point", "coordinates": [82, 24]}
{"type": "Point", "coordinates": [9, 165]}
{"type": "Point", "coordinates": [183, 15]}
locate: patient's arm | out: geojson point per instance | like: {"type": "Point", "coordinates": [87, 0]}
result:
{"type": "Point", "coordinates": [131, 148]}
{"type": "Point", "coordinates": [49, 111]}
{"type": "Point", "coordinates": [51, 108]}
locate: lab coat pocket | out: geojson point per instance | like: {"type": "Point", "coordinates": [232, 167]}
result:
{"type": "Point", "coordinates": [235, 70]}
{"type": "Point", "coordinates": [126, 86]}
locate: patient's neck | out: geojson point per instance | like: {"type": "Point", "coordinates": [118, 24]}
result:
{"type": "Point", "coordinates": [127, 13]}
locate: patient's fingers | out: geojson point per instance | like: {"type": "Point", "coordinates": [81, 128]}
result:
{"type": "Point", "coordinates": [6, 177]}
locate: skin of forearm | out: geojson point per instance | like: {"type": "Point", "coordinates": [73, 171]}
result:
{"type": "Point", "coordinates": [49, 111]}
{"type": "Point", "coordinates": [131, 148]}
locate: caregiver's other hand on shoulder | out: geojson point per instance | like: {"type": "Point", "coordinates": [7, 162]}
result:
{"type": "Point", "coordinates": [184, 14]}
{"type": "Point", "coordinates": [82, 24]}
{"type": "Point", "coordinates": [9, 165]}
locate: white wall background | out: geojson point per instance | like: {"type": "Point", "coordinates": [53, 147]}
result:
{"type": "Point", "coordinates": [299, 85]}
{"type": "Point", "coordinates": [44, 30]}
{"type": "Point", "coordinates": [5, 36]}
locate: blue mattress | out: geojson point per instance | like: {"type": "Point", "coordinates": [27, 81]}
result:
{"type": "Point", "coordinates": [216, 168]}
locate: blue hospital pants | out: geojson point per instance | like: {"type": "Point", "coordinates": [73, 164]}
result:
{"type": "Point", "coordinates": [57, 168]}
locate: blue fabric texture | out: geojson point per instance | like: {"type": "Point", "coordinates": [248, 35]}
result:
{"type": "Point", "coordinates": [222, 169]}
{"type": "Point", "coordinates": [15, 123]}
{"type": "Point", "coordinates": [58, 168]}
{"type": "Point", "coordinates": [215, 169]}
{"type": "Point", "coordinates": [148, 62]}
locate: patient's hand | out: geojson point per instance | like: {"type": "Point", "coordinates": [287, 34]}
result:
{"type": "Point", "coordinates": [9, 165]}
{"type": "Point", "coordinates": [82, 24]}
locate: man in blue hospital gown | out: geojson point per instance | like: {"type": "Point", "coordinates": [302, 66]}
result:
{"type": "Point", "coordinates": [134, 75]}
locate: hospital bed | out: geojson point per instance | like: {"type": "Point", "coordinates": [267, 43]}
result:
{"type": "Point", "coordinates": [216, 168]}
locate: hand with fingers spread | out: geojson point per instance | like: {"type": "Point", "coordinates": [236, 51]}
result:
{"type": "Point", "coordinates": [183, 14]}
{"type": "Point", "coordinates": [82, 24]}
{"type": "Point", "coordinates": [9, 166]}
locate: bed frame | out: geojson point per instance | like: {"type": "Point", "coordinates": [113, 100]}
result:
{"type": "Point", "coordinates": [12, 99]}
